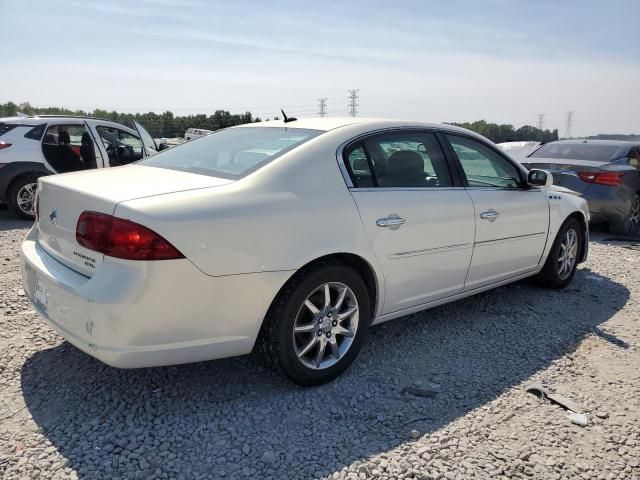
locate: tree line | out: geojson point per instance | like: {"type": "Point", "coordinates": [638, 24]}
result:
{"type": "Point", "coordinates": [507, 133]}
{"type": "Point", "coordinates": [167, 124]}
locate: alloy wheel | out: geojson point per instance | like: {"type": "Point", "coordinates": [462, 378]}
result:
{"type": "Point", "coordinates": [567, 253]}
{"type": "Point", "coordinates": [326, 325]}
{"type": "Point", "coordinates": [26, 198]}
{"type": "Point", "coordinates": [633, 223]}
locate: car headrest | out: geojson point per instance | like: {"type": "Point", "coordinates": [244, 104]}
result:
{"type": "Point", "coordinates": [361, 164]}
{"type": "Point", "coordinates": [63, 137]}
{"type": "Point", "coordinates": [405, 166]}
{"type": "Point", "coordinates": [86, 139]}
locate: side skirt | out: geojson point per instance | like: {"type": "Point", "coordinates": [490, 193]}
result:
{"type": "Point", "coordinates": [425, 306]}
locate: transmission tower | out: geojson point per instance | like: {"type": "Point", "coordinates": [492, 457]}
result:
{"type": "Point", "coordinates": [541, 125]}
{"type": "Point", "coordinates": [322, 107]}
{"type": "Point", "coordinates": [567, 132]}
{"type": "Point", "coordinates": [353, 102]}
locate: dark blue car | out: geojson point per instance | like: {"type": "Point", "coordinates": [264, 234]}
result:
{"type": "Point", "coordinates": [605, 172]}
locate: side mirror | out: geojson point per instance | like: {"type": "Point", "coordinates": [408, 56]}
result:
{"type": "Point", "coordinates": [163, 146]}
{"type": "Point", "coordinates": [540, 178]}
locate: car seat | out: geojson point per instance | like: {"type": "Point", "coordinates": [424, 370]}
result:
{"type": "Point", "coordinates": [87, 151]}
{"type": "Point", "coordinates": [404, 169]}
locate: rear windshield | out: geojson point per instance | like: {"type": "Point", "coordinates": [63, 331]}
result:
{"type": "Point", "coordinates": [579, 151]}
{"type": "Point", "coordinates": [6, 127]}
{"type": "Point", "coordinates": [233, 152]}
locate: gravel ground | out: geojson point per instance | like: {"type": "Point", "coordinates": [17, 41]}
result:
{"type": "Point", "coordinates": [65, 415]}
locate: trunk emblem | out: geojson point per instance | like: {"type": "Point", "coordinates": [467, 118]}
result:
{"type": "Point", "coordinates": [53, 216]}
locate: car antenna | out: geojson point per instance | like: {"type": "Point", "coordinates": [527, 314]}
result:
{"type": "Point", "coordinates": [287, 119]}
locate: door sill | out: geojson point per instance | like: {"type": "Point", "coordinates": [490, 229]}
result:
{"type": "Point", "coordinates": [468, 293]}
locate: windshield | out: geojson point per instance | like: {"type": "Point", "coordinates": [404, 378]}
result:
{"type": "Point", "coordinates": [233, 152]}
{"type": "Point", "coordinates": [579, 151]}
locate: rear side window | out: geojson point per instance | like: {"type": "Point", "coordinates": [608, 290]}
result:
{"type": "Point", "coordinates": [233, 152]}
{"type": "Point", "coordinates": [36, 132]}
{"type": "Point", "coordinates": [6, 127]}
{"type": "Point", "coordinates": [399, 160]}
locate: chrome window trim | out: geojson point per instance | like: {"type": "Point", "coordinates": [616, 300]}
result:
{"type": "Point", "coordinates": [404, 189]}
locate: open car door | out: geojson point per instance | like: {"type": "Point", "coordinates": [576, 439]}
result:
{"type": "Point", "coordinates": [150, 147]}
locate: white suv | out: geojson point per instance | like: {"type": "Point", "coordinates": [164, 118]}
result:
{"type": "Point", "coordinates": [31, 147]}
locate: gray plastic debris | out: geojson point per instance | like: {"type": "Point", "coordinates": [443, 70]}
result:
{"type": "Point", "coordinates": [579, 419]}
{"type": "Point", "coordinates": [574, 410]}
{"type": "Point", "coordinates": [567, 404]}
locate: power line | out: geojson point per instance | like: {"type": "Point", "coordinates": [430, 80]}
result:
{"type": "Point", "coordinates": [353, 102]}
{"type": "Point", "coordinates": [567, 132]}
{"type": "Point", "coordinates": [322, 106]}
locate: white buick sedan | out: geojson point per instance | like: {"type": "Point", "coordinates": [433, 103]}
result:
{"type": "Point", "coordinates": [290, 238]}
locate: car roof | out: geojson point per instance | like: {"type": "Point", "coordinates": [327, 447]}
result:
{"type": "Point", "coordinates": [619, 143]}
{"type": "Point", "coordinates": [61, 120]}
{"type": "Point", "coordinates": [331, 123]}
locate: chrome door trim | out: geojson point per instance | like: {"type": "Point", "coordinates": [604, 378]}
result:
{"type": "Point", "coordinates": [508, 239]}
{"type": "Point", "coordinates": [429, 251]}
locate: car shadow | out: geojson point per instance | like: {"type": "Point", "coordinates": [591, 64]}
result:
{"type": "Point", "coordinates": [213, 418]}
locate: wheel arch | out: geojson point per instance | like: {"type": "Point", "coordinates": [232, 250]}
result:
{"type": "Point", "coordinates": [356, 262]}
{"type": "Point", "coordinates": [13, 171]}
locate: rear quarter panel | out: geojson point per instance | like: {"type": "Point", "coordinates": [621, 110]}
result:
{"type": "Point", "coordinates": [292, 211]}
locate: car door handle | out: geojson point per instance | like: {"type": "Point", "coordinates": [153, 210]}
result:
{"type": "Point", "coordinates": [393, 222]}
{"type": "Point", "coordinates": [490, 215]}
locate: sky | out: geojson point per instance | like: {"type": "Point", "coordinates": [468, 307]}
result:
{"type": "Point", "coordinates": [505, 61]}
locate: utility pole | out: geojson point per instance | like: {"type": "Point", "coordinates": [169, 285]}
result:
{"type": "Point", "coordinates": [322, 106]}
{"type": "Point", "coordinates": [541, 125]}
{"type": "Point", "coordinates": [353, 102]}
{"type": "Point", "coordinates": [567, 132]}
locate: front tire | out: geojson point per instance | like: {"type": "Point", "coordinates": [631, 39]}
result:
{"type": "Point", "coordinates": [561, 264]}
{"type": "Point", "coordinates": [316, 326]}
{"type": "Point", "coordinates": [22, 195]}
{"type": "Point", "coordinates": [630, 224]}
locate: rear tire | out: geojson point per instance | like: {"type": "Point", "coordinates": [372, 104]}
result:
{"type": "Point", "coordinates": [311, 340]}
{"type": "Point", "coordinates": [630, 224]}
{"type": "Point", "coordinates": [21, 195]}
{"type": "Point", "coordinates": [561, 264]}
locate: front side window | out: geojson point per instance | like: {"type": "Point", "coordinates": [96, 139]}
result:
{"type": "Point", "coordinates": [122, 147]}
{"type": "Point", "coordinates": [482, 166]}
{"type": "Point", "coordinates": [233, 152]}
{"type": "Point", "coordinates": [404, 159]}
{"type": "Point", "coordinates": [634, 158]}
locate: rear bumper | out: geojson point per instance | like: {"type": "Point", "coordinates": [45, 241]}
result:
{"type": "Point", "coordinates": [607, 203]}
{"type": "Point", "coordinates": [145, 314]}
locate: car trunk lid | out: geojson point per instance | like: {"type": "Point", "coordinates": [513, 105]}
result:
{"type": "Point", "coordinates": [62, 198]}
{"type": "Point", "coordinates": [565, 172]}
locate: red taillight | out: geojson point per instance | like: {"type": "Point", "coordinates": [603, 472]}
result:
{"type": "Point", "coordinates": [4, 145]}
{"type": "Point", "coordinates": [613, 179]}
{"type": "Point", "coordinates": [121, 238]}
